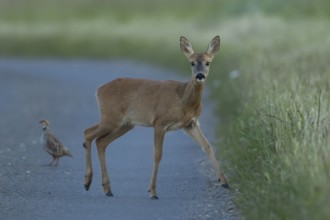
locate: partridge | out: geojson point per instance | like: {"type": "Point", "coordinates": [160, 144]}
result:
{"type": "Point", "coordinates": [52, 145]}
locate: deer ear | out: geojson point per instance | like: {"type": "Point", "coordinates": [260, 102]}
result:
{"type": "Point", "coordinates": [186, 47]}
{"type": "Point", "coordinates": [214, 45]}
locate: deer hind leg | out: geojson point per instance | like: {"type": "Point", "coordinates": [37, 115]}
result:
{"type": "Point", "coordinates": [158, 150]}
{"type": "Point", "coordinates": [102, 143]}
{"type": "Point", "coordinates": [196, 134]}
{"type": "Point", "coordinates": [89, 135]}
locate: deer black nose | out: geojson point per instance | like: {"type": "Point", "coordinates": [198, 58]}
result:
{"type": "Point", "coordinates": [200, 76]}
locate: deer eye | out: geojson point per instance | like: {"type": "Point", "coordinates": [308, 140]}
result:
{"type": "Point", "coordinates": [207, 63]}
{"type": "Point", "coordinates": [192, 63]}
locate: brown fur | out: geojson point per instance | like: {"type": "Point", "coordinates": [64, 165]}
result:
{"type": "Point", "coordinates": [163, 105]}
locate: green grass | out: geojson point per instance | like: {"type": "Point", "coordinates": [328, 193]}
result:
{"type": "Point", "coordinates": [274, 130]}
{"type": "Point", "coordinates": [275, 138]}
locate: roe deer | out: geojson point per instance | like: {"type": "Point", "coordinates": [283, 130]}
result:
{"type": "Point", "coordinates": [163, 105]}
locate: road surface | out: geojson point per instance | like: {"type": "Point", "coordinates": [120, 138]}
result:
{"type": "Point", "coordinates": [62, 91]}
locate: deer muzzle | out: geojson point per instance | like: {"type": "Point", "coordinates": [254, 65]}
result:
{"type": "Point", "coordinates": [200, 77]}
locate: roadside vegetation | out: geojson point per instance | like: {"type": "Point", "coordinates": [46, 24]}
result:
{"type": "Point", "coordinates": [270, 81]}
{"type": "Point", "coordinates": [275, 128]}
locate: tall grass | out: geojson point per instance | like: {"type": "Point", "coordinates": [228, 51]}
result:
{"type": "Point", "coordinates": [270, 81]}
{"type": "Point", "coordinates": [276, 136]}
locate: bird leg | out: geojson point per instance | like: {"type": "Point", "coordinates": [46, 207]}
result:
{"type": "Point", "coordinates": [57, 159]}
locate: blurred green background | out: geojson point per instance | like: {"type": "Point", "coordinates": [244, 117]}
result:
{"type": "Point", "coordinates": [136, 29]}
{"type": "Point", "coordinates": [270, 81]}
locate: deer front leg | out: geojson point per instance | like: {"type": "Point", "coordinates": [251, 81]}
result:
{"type": "Point", "coordinates": [196, 133]}
{"type": "Point", "coordinates": [158, 150]}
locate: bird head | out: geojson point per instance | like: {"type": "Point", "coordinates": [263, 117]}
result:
{"type": "Point", "coordinates": [44, 123]}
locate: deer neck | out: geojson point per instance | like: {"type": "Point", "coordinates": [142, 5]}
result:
{"type": "Point", "coordinates": [192, 97]}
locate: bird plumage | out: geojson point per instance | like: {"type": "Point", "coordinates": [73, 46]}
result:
{"type": "Point", "coordinates": [52, 145]}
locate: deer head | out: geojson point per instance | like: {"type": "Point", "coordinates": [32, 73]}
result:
{"type": "Point", "coordinates": [200, 62]}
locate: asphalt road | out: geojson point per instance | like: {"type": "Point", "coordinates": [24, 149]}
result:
{"type": "Point", "coordinates": [62, 91]}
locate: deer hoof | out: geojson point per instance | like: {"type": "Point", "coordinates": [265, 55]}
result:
{"type": "Point", "coordinates": [109, 194]}
{"type": "Point", "coordinates": [86, 187]}
{"type": "Point", "coordinates": [154, 197]}
{"type": "Point", "coordinates": [225, 185]}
